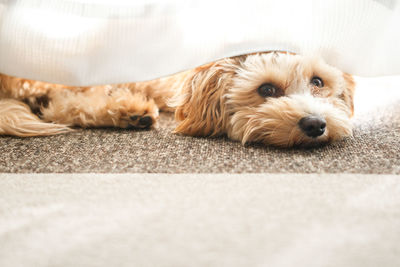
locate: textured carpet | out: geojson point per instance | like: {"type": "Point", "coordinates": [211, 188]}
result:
{"type": "Point", "coordinates": [374, 148]}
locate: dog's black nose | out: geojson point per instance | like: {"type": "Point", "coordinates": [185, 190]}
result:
{"type": "Point", "coordinates": [312, 126]}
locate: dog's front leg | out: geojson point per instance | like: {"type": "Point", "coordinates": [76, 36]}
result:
{"type": "Point", "coordinates": [101, 106]}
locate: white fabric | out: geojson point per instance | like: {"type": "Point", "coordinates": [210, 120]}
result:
{"type": "Point", "coordinates": [279, 220]}
{"type": "Point", "coordinates": [85, 42]}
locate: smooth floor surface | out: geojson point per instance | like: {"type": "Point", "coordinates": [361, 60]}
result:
{"type": "Point", "coordinates": [233, 220]}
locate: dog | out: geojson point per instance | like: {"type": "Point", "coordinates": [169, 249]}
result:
{"type": "Point", "coordinates": [274, 98]}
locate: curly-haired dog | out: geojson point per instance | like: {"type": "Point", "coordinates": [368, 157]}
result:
{"type": "Point", "coordinates": [274, 98]}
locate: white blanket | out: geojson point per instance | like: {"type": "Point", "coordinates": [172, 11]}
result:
{"type": "Point", "coordinates": [86, 42]}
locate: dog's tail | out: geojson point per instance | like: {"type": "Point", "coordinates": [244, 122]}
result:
{"type": "Point", "coordinates": [16, 118]}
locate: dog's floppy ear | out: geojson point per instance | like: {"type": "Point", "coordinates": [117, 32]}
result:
{"type": "Point", "coordinates": [348, 93]}
{"type": "Point", "coordinates": [200, 103]}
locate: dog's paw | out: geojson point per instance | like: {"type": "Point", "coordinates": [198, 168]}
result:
{"type": "Point", "coordinates": [132, 110]}
{"type": "Point", "coordinates": [144, 121]}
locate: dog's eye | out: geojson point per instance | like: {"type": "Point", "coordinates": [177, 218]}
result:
{"type": "Point", "coordinates": [317, 81]}
{"type": "Point", "coordinates": [267, 90]}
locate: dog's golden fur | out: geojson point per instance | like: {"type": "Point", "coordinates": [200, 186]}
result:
{"type": "Point", "coordinates": [215, 99]}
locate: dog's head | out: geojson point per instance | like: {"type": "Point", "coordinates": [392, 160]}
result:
{"type": "Point", "coordinates": [274, 98]}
